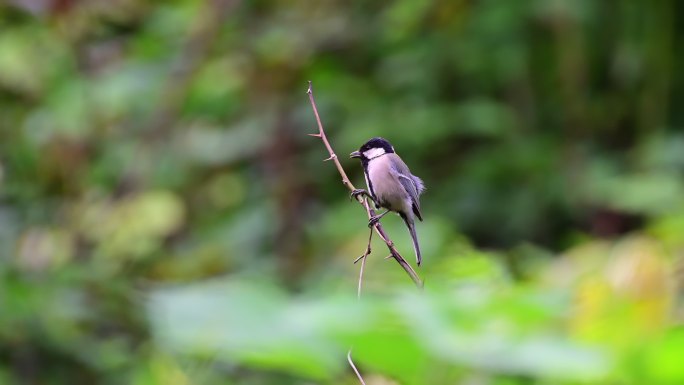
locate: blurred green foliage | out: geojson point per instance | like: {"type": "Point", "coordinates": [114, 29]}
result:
{"type": "Point", "coordinates": [164, 219]}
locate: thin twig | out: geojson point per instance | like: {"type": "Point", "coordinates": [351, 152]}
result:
{"type": "Point", "coordinates": [351, 363]}
{"type": "Point", "coordinates": [369, 210]}
{"type": "Point", "coordinates": [368, 247]}
{"type": "Point", "coordinates": [358, 296]}
{"type": "Point", "coordinates": [363, 264]}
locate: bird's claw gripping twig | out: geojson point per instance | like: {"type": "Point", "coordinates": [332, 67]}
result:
{"type": "Point", "coordinates": [374, 220]}
{"type": "Point", "coordinates": [357, 192]}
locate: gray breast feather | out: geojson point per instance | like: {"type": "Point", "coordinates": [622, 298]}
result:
{"type": "Point", "coordinates": [384, 183]}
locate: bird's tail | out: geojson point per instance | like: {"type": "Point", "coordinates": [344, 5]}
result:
{"type": "Point", "coordinates": [412, 230]}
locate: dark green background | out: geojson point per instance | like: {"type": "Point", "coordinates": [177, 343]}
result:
{"type": "Point", "coordinates": [165, 219]}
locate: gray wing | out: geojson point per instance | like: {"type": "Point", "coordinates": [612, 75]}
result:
{"type": "Point", "coordinates": [420, 186]}
{"type": "Point", "coordinates": [411, 183]}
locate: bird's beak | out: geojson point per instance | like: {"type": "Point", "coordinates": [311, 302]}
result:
{"type": "Point", "coordinates": [355, 154]}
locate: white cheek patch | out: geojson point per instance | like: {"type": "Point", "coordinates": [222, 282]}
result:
{"type": "Point", "coordinates": [374, 152]}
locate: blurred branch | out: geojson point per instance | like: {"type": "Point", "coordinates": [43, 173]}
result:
{"type": "Point", "coordinates": [362, 200]}
{"type": "Point", "coordinates": [194, 52]}
{"type": "Point", "coordinates": [200, 39]}
{"type": "Point", "coordinates": [351, 363]}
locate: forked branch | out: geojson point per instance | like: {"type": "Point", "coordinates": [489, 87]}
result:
{"type": "Point", "coordinates": [362, 200]}
{"type": "Point", "coordinates": [370, 212]}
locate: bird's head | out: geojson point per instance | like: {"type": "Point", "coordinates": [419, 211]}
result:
{"type": "Point", "coordinates": [372, 149]}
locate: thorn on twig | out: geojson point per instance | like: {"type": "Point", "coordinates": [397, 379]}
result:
{"type": "Point", "coordinates": [315, 135]}
{"type": "Point", "coordinates": [333, 156]}
{"type": "Point", "coordinates": [368, 247]}
{"type": "Point", "coordinates": [389, 256]}
{"type": "Point", "coordinates": [365, 253]}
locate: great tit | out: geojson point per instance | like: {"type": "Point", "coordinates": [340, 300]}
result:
{"type": "Point", "coordinates": [390, 185]}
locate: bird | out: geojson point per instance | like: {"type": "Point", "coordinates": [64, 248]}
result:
{"type": "Point", "coordinates": [390, 185]}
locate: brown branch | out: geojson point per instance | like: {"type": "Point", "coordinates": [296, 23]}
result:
{"type": "Point", "coordinates": [362, 200]}
{"type": "Point", "coordinates": [369, 210]}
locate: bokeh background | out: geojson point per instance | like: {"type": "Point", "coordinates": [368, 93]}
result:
{"type": "Point", "coordinates": [165, 219]}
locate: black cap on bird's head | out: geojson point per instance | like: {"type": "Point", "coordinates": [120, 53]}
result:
{"type": "Point", "coordinates": [373, 148]}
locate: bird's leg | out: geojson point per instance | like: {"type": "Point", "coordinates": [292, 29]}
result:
{"type": "Point", "coordinates": [357, 192]}
{"type": "Point", "coordinates": [376, 218]}
{"type": "Point", "coordinates": [360, 191]}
